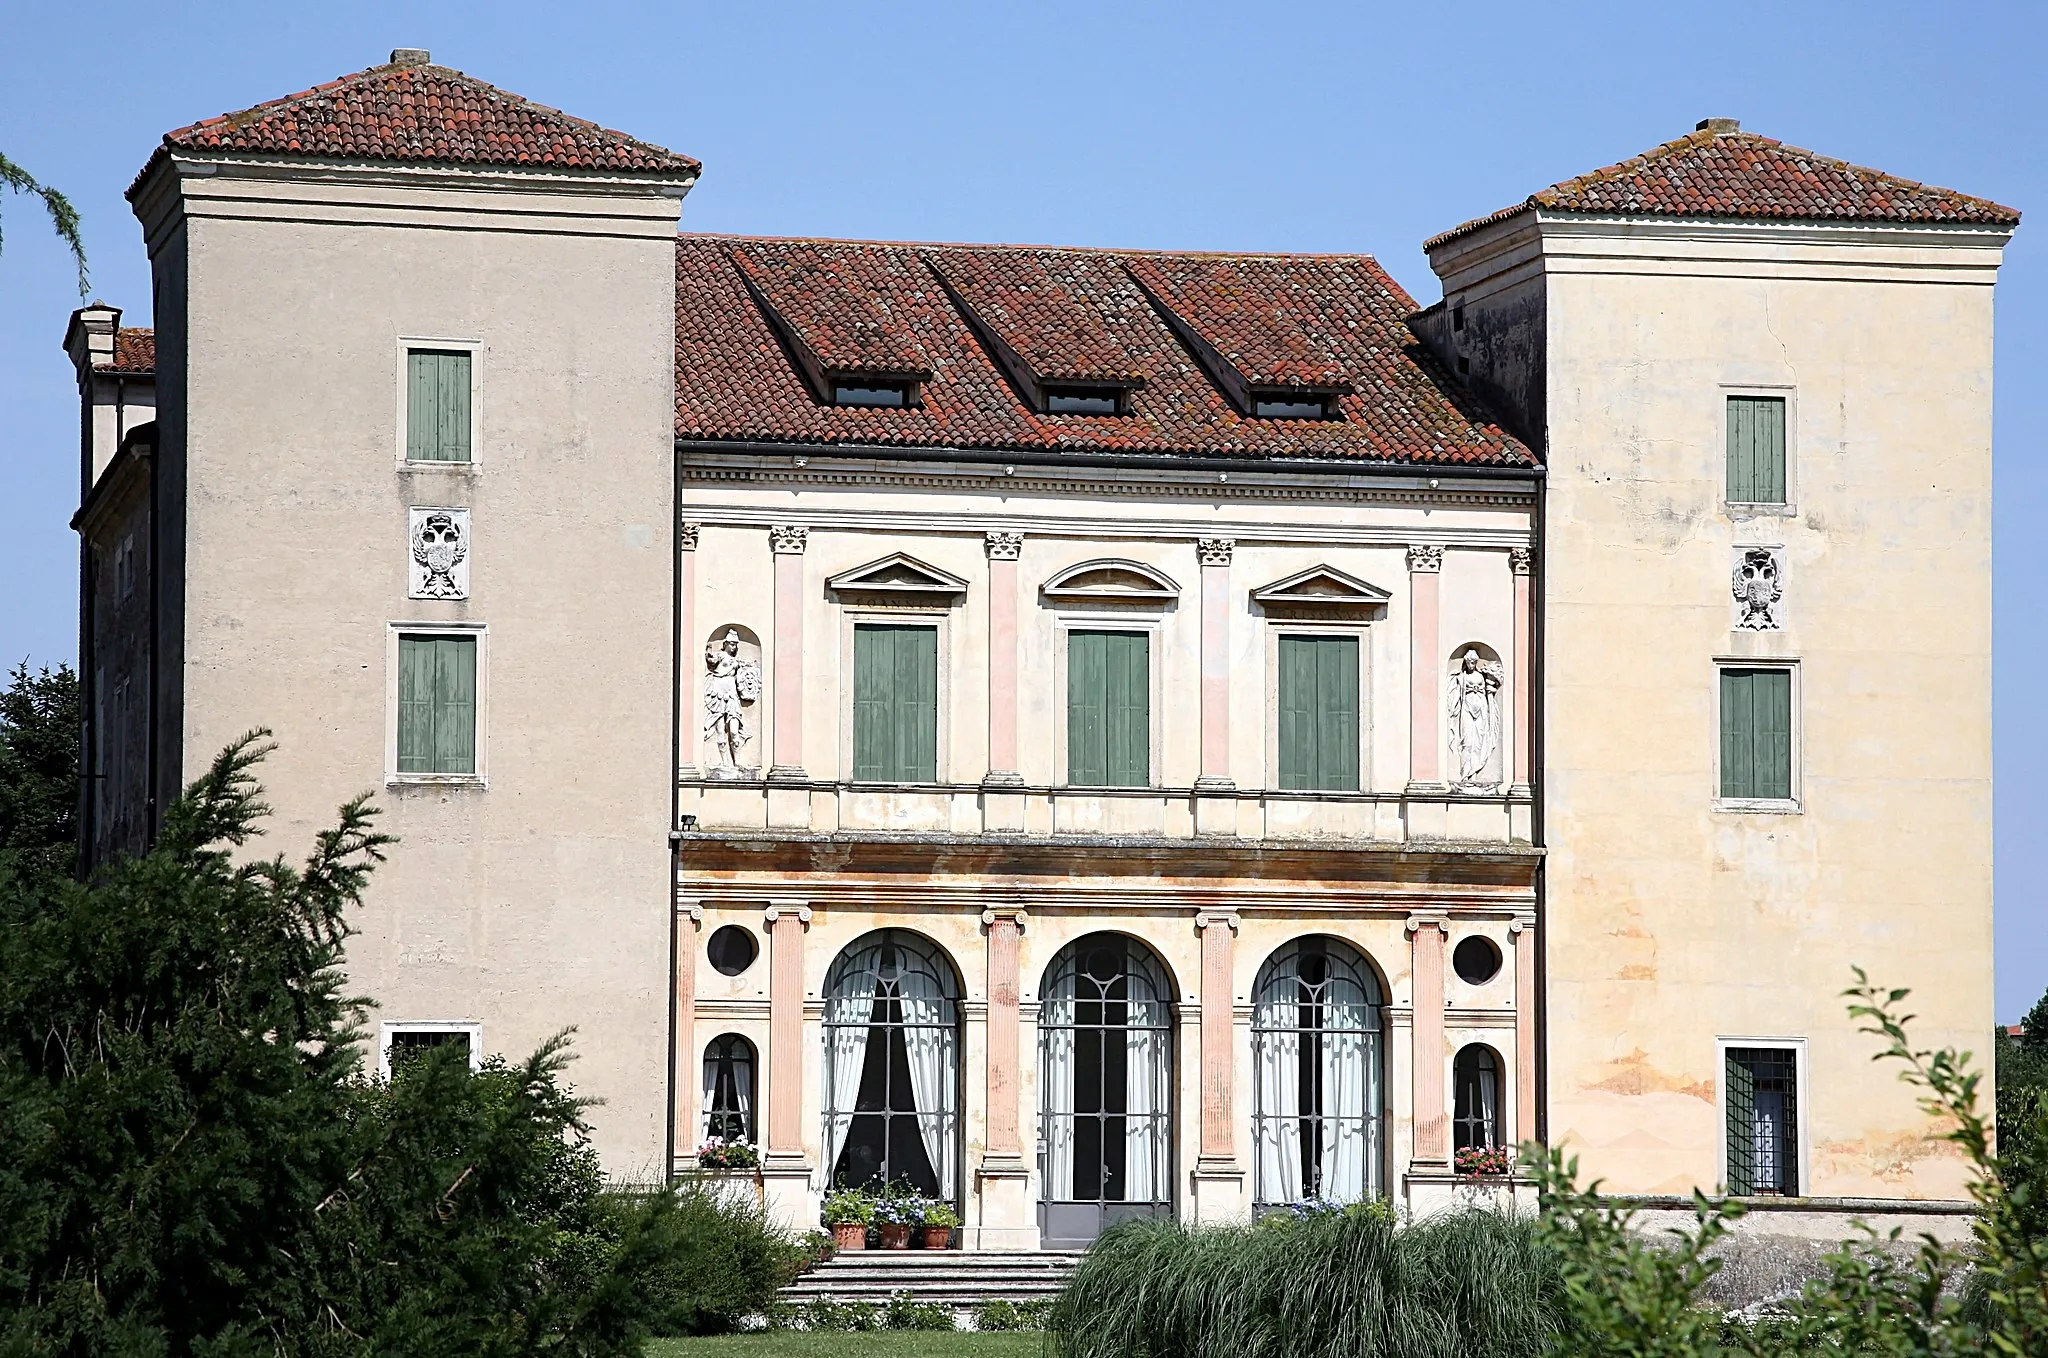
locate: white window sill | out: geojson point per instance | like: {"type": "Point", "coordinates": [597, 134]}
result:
{"type": "Point", "coordinates": [434, 780]}
{"type": "Point", "coordinates": [408, 465]}
{"type": "Point", "coordinates": [1744, 509]}
{"type": "Point", "coordinates": [1760, 806]}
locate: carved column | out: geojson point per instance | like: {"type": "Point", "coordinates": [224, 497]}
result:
{"type": "Point", "coordinates": [1520, 562]}
{"type": "Point", "coordinates": [692, 685]}
{"type": "Point", "coordinates": [786, 921]}
{"type": "Point", "coordinates": [1432, 1117]}
{"type": "Point", "coordinates": [1215, 554]}
{"type": "Point", "coordinates": [788, 543]}
{"type": "Point", "coordinates": [1425, 567]}
{"type": "Point", "coordinates": [1004, 550]}
{"type": "Point", "coordinates": [688, 917]}
{"type": "Point", "coordinates": [1524, 932]}
{"type": "Point", "coordinates": [1218, 1179]}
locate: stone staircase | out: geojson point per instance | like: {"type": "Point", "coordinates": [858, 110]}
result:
{"type": "Point", "coordinates": [957, 1279]}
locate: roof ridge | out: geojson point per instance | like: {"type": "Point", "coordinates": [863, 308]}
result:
{"type": "Point", "coordinates": [728, 236]}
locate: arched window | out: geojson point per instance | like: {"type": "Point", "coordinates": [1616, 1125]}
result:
{"type": "Point", "coordinates": [1105, 1044]}
{"type": "Point", "coordinates": [729, 1088]}
{"type": "Point", "coordinates": [892, 1065]}
{"type": "Point", "coordinates": [1476, 1082]}
{"type": "Point", "coordinates": [1317, 1061]}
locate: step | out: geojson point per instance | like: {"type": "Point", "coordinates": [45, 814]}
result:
{"type": "Point", "coordinates": [949, 1277]}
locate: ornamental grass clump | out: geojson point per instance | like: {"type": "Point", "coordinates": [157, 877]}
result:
{"type": "Point", "coordinates": [1324, 1284]}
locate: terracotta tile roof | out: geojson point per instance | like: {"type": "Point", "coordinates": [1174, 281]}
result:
{"type": "Point", "coordinates": [1333, 317]}
{"type": "Point", "coordinates": [416, 112]}
{"type": "Point", "coordinates": [1722, 171]}
{"type": "Point", "coordinates": [134, 351]}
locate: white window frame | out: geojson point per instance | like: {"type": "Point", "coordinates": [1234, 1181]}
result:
{"type": "Point", "coordinates": [1749, 509]}
{"type": "Point", "coordinates": [1802, 1110]}
{"type": "Point", "coordinates": [474, 1028]}
{"type": "Point", "coordinates": [475, 349]}
{"type": "Point", "coordinates": [1770, 806]}
{"type": "Point", "coordinates": [935, 615]}
{"type": "Point", "coordinates": [392, 631]}
{"type": "Point", "coordinates": [1067, 622]}
{"type": "Point", "coordinates": [1361, 632]}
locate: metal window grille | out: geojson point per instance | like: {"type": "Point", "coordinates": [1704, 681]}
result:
{"type": "Point", "coordinates": [1475, 1075]}
{"type": "Point", "coordinates": [1763, 1121]}
{"type": "Point", "coordinates": [1316, 1030]}
{"type": "Point", "coordinates": [892, 998]}
{"type": "Point", "coordinates": [729, 1075]}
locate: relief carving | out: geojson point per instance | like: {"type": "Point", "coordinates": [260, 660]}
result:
{"type": "Point", "coordinates": [1427, 558]}
{"type": "Point", "coordinates": [686, 536]}
{"type": "Point", "coordinates": [1520, 560]}
{"type": "Point", "coordinates": [732, 684]}
{"type": "Point", "coordinates": [1214, 551]}
{"type": "Point", "coordinates": [440, 554]}
{"type": "Point", "coordinates": [1757, 586]}
{"type": "Point", "coordinates": [1004, 546]}
{"type": "Point", "coordinates": [788, 539]}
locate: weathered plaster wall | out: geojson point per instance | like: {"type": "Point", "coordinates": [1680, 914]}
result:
{"type": "Point", "coordinates": [539, 900]}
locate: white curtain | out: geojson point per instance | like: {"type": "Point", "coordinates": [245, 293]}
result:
{"type": "Point", "coordinates": [1277, 1128]}
{"type": "Point", "coordinates": [928, 1037]}
{"type": "Point", "coordinates": [1347, 1116]}
{"type": "Point", "coordinates": [1144, 1096]}
{"type": "Point", "coordinates": [847, 1013]}
{"type": "Point", "coordinates": [1489, 1100]}
{"type": "Point", "coordinates": [1056, 1088]}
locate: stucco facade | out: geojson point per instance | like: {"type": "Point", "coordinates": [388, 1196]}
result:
{"type": "Point", "coordinates": [665, 500]}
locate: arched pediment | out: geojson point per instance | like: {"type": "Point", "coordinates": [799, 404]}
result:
{"type": "Point", "coordinates": [1324, 587]}
{"type": "Point", "coordinates": [1129, 581]}
{"type": "Point", "coordinates": [898, 573]}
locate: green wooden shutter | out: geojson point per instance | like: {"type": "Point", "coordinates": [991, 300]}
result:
{"type": "Point", "coordinates": [1738, 768]}
{"type": "Point", "coordinates": [1756, 733]}
{"type": "Point", "coordinates": [1337, 714]}
{"type": "Point", "coordinates": [1741, 1102]}
{"type": "Point", "coordinates": [1087, 697]}
{"type": "Point", "coordinates": [1756, 450]}
{"type": "Point", "coordinates": [437, 395]}
{"type": "Point", "coordinates": [454, 704]}
{"type": "Point", "coordinates": [1127, 758]}
{"type": "Point", "coordinates": [895, 704]}
{"type": "Point", "coordinates": [437, 704]}
{"type": "Point", "coordinates": [1297, 736]}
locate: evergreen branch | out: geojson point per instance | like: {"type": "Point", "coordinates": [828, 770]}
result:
{"type": "Point", "coordinates": [63, 216]}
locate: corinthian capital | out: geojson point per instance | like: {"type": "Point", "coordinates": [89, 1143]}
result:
{"type": "Point", "coordinates": [1214, 551]}
{"type": "Point", "coordinates": [788, 539]}
{"type": "Point", "coordinates": [1427, 558]}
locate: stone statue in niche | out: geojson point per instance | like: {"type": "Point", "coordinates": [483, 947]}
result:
{"type": "Point", "coordinates": [732, 684]}
{"type": "Point", "coordinates": [1757, 586]}
{"type": "Point", "coordinates": [1475, 719]}
{"type": "Point", "coordinates": [440, 554]}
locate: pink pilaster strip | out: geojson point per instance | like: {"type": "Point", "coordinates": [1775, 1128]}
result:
{"type": "Point", "coordinates": [1218, 1072]}
{"type": "Point", "coordinates": [687, 1139]}
{"type": "Point", "coordinates": [693, 659]}
{"type": "Point", "coordinates": [1215, 556]}
{"type": "Point", "coordinates": [1525, 1031]}
{"type": "Point", "coordinates": [1432, 1121]}
{"type": "Point", "coordinates": [1003, 552]}
{"type": "Point", "coordinates": [1003, 928]}
{"type": "Point", "coordinates": [1519, 561]}
{"type": "Point", "coordinates": [1424, 665]}
{"type": "Point", "coordinates": [788, 716]}
{"type": "Point", "coordinates": [786, 923]}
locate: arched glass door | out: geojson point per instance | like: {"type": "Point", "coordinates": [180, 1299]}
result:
{"type": "Point", "coordinates": [1317, 1076]}
{"type": "Point", "coordinates": [892, 1066]}
{"type": "Point", "coordinates": [1105, 1079]}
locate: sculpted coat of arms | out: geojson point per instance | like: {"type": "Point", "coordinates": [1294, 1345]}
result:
{"type": "Point", "coordinates": [440, 554]}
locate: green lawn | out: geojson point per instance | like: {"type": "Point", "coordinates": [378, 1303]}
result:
{"type": "Point", "coordinates": [871, 1344]}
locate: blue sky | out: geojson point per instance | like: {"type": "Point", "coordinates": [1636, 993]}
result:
{"type": "Point", "coordinates": [1346, 126]}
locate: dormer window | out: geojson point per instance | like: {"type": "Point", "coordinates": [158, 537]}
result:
{"type": "Point", "coordinates": [872, 392]}
{"type": "Point", "coordinates": [1293, 405]}
{"type": "Point", "coordinates": [1069, 399]}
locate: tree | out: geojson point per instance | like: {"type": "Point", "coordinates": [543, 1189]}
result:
{"type": "Point", "coordinates": [63, 216]}
{"type": "Point", "coordinates": [39, 716]}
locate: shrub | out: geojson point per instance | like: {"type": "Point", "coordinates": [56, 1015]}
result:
{"type": "Point", "coordinates": [904, 1313]}
{"type": "Point", "coordinates": [722, 1261]}
{"type": "Point", "coordinates": [1328, 1284]}
{"type": "Point", "coordinates": [827, 1314]}
{"type": "Point", "coordinates": [1001, 1314]}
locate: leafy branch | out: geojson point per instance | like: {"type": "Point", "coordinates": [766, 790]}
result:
{"type": "Point", "coordinates": [63, 216]}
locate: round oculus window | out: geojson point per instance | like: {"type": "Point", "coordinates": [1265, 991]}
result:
{"type": "Point", "coordinates": [731, 950]}
{"type": "Point", "coordinates": [1476, 960]}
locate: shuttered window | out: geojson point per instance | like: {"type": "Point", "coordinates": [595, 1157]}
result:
{"type": "Point", "coordinates": [1319, 713]}
{"type": "Point", "coordinates": [895, 704]}
{"type": "Point", "coordinates": [1756, 734]}
{"type": "Point", "coordinates": [1756, 450]}
{"type": "Point", "coordinates": [436, 704]}
{"type": "Point", "coordinates": [436, 406]}
{"type": "Point", "coordinates": [1109, 709]}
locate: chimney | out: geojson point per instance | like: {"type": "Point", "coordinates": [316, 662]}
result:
{"type": "Point", "coordinates": [90, 337]}
{"type": "Point", "coordinates": [410, 56]}
{"type": "Point", "coordinates": [1718, 126]}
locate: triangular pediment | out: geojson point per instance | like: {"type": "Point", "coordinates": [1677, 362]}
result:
{"type": "Point", "coordinates": [1127, 580]}
{"type": "Point", "coordinates": [1323, 586]}
{"type": "Point", "coordinates": [898, 573]}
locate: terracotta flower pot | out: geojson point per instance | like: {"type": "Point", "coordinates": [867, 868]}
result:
{"type": "Point", "coordinates": [937, 1237]}
{"type": "Point", "coordinates": [895, 1237]}
{"type": "Point", "coordinates": [850, 1235]}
